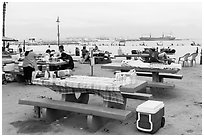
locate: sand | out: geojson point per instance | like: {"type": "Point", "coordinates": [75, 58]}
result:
{"type": "Point", "coordinates": [183, 108]}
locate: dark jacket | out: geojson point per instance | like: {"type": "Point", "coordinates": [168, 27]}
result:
{"type": "Point", "coordinates": [69, 59]}
{"type": "Point", "coordinates": [153, 57]}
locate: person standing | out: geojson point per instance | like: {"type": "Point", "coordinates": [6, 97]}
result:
{"type": "Point", "coordinates": [85, 54]}
{"type": "Point", "coordinates": [197, 50]}
{"type": "Point", "coordinates": [77, 53]}
{"type": "Point", "coordinates": [29, 65]}
{"type": "Point", "coordinates": [120, 52]}
{"type": "Point", "coordinates": [20, 49]}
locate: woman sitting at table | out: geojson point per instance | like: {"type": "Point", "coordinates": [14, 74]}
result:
{"type": "Point", "coordinates": [65, 57]}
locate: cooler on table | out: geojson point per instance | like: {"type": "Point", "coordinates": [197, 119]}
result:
{"type": "Point", "coordinates": [150, 116]}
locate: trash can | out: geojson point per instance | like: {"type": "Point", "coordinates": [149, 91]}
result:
{"type": "Point", "coordinates": [150, 116]}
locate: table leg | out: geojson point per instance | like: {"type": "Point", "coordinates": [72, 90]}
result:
{"type": "Point", "coordinates": [161, 79]}
{"type": "Point", "coordinates": [54, 114]}
{"type": "Point", "coordinates": [84, 98]}
{"type": "Point", "coordinates": [95, 122]}
{"type": "Point", "coordinates": [156, 78]}
{"type": "Point", "coordinates": [37, 111]}
{"type": "Point", "coordinates": [69, 97]}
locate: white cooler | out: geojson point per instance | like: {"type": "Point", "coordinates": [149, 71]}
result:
{"type": "Point", "coordinates": [150, 116]}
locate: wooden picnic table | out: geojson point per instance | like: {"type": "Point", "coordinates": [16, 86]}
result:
{"type": "Point", "coordinates": [114, 98]}
{"type": "Point", "coordinates": [117, 66]}
{"type": "Point", "coordinates": [154, 68]}
{"type": "Point", "coordinates": [53, 65]}
{"type": "Point", "coordinates": [133, 55]}
{"type": "Point", "coordinates": [105, 87]}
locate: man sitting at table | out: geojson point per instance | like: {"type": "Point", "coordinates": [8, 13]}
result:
{"type": "Point", "coordinates": [65, 57]}
{"type": "Point", "coordinates": [158, 57]}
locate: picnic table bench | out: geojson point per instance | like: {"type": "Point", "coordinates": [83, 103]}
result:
{"type": "Point", "coordinates": [96, 115]}
{"type": "Point", "coordinates": [115, 98]}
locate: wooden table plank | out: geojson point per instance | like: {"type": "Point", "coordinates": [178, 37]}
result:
{"type": "Point", "coordinates": [138, 85]}
{"type": "Point", "coordinates": [133, 55]}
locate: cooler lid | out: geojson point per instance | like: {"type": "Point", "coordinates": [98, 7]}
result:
{"type": "Point", "coordinates": [150, 106]}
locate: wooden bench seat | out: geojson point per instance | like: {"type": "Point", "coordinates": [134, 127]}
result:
{"type": "Point", "coordinates": [96, 114]}
{"type": "Point", "coordinates": [141, 96]}
{"type": "Point", "coordinates": [160, 84]}
{"type": "Point", "coordinates": [161, 75]}
{"type": "Point", "coordinates": [131, 91]}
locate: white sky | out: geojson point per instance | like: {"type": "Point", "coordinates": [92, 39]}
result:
{"type": "Point", "coordinates": [116, 19]}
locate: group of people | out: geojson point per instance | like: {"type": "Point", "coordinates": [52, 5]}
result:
{"type": "Point", "coordinates": [159, 57]}
{"type": "Point", "coordinates": [96, 53]}
{"type": "Point", "coordinates": [30, 63]}
{"type": "Point", "coordinates": [156, 56]}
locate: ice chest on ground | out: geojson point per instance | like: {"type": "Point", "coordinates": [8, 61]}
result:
{"type": "Point", "coordinates": [150, 116]}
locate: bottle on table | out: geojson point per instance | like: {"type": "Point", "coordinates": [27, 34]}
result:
{"type": "Point", "coordinates": [47, 73]}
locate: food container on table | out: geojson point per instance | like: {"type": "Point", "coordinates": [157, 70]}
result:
{"type": "Point", "coordinates": [9, 67]}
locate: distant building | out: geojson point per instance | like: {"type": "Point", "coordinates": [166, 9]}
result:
{"type": "Point", "coordinates": [32, 40]}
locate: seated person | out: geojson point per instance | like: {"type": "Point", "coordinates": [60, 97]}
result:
{"type": "Point", "coordinates": [52, 53]}
{"type": "Point", "coordinates": [96, 49]}
{"type": "Point", "coordinates": [155, 56]}
{"type": "Point", "coordinates": [65, 57]}
{"type": "Point", "coordinates": [48, 51]}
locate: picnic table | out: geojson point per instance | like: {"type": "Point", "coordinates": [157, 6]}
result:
{"type": "Point", "coordinates": [53, 65]}
{"type": "Point", "coordinates": [113, 94]}
{"type": "Point", "coordinates": [145, 56]}
{"type": "Point", "coordinates": [107, 88]}
{"type": "Point", "coordinates": [128, 57]}
{"type": "Point", "coordinates": [158, 72]}
{"type": "Point", "coordinates": [133, 55]}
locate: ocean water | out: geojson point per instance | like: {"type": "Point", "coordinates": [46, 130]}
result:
{"type": "Point", "coordinates": [181, 46]}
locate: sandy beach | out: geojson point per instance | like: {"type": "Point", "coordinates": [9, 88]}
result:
{"type": "Point", "coordinates": [183, 108]}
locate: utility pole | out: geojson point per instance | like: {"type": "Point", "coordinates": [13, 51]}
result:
{"type": "Point", "coordinates": [58, 34]}
{"type": "Point", "coordinates": [92, 62]}
{"type": "Point", "coordinates": [3, 28]}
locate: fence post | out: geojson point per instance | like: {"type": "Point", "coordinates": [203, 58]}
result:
{"type": "Point", "coordinates": [201, 57]}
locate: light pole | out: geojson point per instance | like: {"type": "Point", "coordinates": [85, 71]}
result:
{"type": "Point", "coordinates": [58, 34]}
{"type": "Point", "coordinates": [3, 27]}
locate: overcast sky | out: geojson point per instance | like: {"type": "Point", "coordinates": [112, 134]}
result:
{"type": "Point", "coordinates": [117, 19]}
